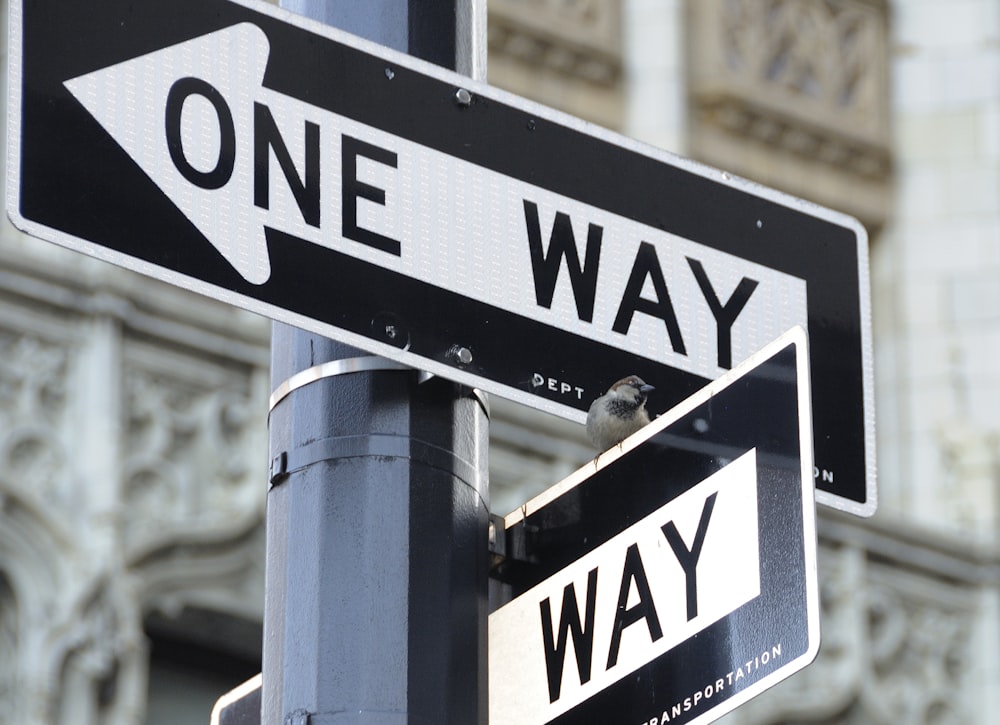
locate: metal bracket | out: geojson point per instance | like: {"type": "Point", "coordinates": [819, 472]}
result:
{"type": "Point", "coordinates": [378, 445]}
{"type": "Point", "coordinates": [332, 369]}
{"type": "Point", "coordinates": [498, 541]}
{"type": "Point", "coordinates": [366, 363]}
{"type": "Point", "coordinates": [508, 550]}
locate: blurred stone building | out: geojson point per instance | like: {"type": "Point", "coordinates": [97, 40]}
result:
{"type": "Point", "coordinates": [132, 415]}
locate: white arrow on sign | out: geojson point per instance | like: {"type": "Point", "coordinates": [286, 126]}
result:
{"type": "Point", "coordinates": [131, 98]}
{"type": "Point", "coordinates": [238, 158]}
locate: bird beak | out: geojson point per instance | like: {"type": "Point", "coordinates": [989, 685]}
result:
{"type": "Point", "coordinates": [646, 389]}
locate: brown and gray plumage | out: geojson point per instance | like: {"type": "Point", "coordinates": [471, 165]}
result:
{"type": "Point", "coordinates": [618, 413]}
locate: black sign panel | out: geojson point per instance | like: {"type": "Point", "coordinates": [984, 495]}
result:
{"type": "Point", "coordinates": [239, 706]}
{"type": "Point", "coordinates": [675, 577]}
{"type": "Point", "coordinates": [268, 161]}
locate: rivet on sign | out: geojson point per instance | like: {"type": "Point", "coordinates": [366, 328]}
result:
{"type": "Point", "coordinates": [463, 97]}
{"type": "Point", "coordinates": [390, 73]}
{"type": "Point", "coordinates": [461, 355]}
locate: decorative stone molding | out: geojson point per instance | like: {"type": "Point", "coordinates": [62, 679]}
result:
{"type": "Point", "coordinates": [208, 569]}
{"type": "Point", "coordinates": [132, 477]}
{"type": "Point", "coordinates": [33, 413]}
{"type": "Point", "coordinates": [575, 37]}
{"type": "Point", "coordinates": [563, 53]}
{"type": "Point", "coordinates": [98, 654]}
{"type": "Point", "coordinates": [67, 627]}
{"type": "Point", "coordinates": [794, 94]}
{"type": "Point", "coordinates": [187, 464]}
{"type": "Point", "coordinates": [899, 612]}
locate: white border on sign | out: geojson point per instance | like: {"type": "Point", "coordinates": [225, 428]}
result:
{"type": "Point", "coordinates": [237, 693]}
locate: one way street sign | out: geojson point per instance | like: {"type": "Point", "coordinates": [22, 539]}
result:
{"type": "Point", "coordinates": [240, 151]}
{"type": "Point", "coordinates": [675, 578]}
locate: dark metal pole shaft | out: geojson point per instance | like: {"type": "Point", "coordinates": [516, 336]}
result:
{"type": "Point", "coordinates": [377, 517]}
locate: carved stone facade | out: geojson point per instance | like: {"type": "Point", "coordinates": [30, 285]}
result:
{"type": "Point", "coordinates": [563, 53]}
{"type": "Point", "coordinates": [131, 457]}
{"type": "Point", "coordinates": [903, 615]}
{"type": "Point", "coordinates": [794, 94]}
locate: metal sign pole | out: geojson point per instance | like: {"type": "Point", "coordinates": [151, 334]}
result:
{"type": "Point", "coordinates": [377, 513]}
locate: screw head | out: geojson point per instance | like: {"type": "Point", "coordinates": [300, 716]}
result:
{"type": "Point", "coordinates": [461, 355]}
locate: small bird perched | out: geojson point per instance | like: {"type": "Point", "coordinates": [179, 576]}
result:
{"type": "Point", "coordinates": [618, 413]}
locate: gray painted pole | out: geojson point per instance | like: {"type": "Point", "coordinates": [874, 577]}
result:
{"type": "Point", "coordinates": [377, 516]}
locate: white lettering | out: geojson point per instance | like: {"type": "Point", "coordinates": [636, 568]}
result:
{"type": "Point", "coordinates": [556, 386]}
{"type": "Point", "coordinates": [823, 473]}
{"type": "Point", "coordinates": [713, 689]}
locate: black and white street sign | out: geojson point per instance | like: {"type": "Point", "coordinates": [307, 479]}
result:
{"type": "Point", "coordinates": [674, 578]}
{"type": "Point", "coordinates": [239, 706]}
{"type": "Point", "coordinates": [240, 151]}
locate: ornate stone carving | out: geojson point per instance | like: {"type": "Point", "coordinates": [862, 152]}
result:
{"type": "Point", "coordinates": [224, 575]}
{"type": "Point", "coordinates": [32, 377]}
{"type": "Point", "coordinates": [919, 650]}
{"type": "Point", "coordinates": [574, 37]}
{"type": "Point", "coordinates": [795, 93]}
{"type": "Point", "coordinates": [120, 494]}
{"type": "Point", "coordinates": [897, 620]}
{"type": "Point", "coordinates": [187, 464]}
{"type": "Point", "coordinates": [67, 628]}
{"type": "Point", "coordinates": [32, 412]}
{"type": "Point", "coordinates": [563, 53]}
{"type": "Point", "coordinates": [94, 652]}
{"type": "Point", "coordinates": [117, 390]}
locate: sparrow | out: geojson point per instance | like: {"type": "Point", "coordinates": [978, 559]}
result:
{"type": "Point", "coordinates": [618, 413]}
